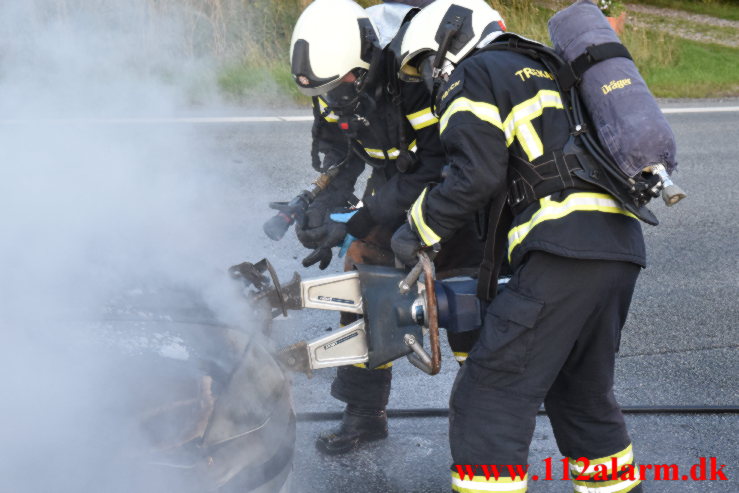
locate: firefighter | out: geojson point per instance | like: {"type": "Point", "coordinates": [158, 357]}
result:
{"type": "Point", "coordinates": [551, 336]}
{"type": "Point", "coordinates": [363, 114]}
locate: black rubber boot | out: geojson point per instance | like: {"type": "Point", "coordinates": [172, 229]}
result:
{"type": "Point", "coordinates": [358, 425]}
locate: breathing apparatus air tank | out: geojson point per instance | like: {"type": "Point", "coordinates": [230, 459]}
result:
{"type": "Point", "coordinates": [627, 120]}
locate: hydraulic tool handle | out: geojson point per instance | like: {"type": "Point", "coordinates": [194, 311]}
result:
{"type": "Point", "coordinates": [420, 358]}
{"type": "Point", "coordinates": [410, 280]}
{"type": "Point", "coordinates": [430, 364]}
{"type": "Point", "coordinates": [406, 284]}
{"type": "Point", "coordinates": [433, 312]}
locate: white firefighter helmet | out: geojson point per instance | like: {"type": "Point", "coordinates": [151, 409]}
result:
{"type": "Point", "coordinates": [331, 39]}
{"type": "Point", "coordinates": [453, 27]}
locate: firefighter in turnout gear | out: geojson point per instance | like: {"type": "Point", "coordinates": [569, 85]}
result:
{"type": "Point", "coordinates": [365, 115]}
{"type": "Point", "coordinates": [551, 336]}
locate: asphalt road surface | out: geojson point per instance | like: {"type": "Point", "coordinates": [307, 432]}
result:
{"type": "Point", "coordinates": [680, 344]}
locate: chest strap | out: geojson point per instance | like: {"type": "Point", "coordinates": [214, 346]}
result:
{"type": "Point", "coordinates": [529, 182]}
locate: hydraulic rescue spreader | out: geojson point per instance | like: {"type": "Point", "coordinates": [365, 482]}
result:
{"type": "Point", "coordinates": [397, 310]}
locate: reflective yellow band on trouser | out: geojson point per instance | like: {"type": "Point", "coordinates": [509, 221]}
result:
{"type": "Point", "coordinates": [460, 357]}
{"type": "Point", "coordinates": [617, 486]}
{"type": "Point", "coordinates": [479, 484]}
{"type": "Point", "coordinates": [428, 236]}
{"type": "Point", "coordinates": [518, 122]}
{"type": "Point", "coordinates": [550, 210]}
{"type": "Point", "coordinates": [484, 111]}
{"type": "Point", "coordinates": [392, 153]}
{"type": "Point", "coordinates": [623, 457]}
{"type": "Point", "coordinates": [422, 119]}
{"type": "Point", "coordinates": [331, 117]}
{"type": "Point", "coordinates": [381, 367]}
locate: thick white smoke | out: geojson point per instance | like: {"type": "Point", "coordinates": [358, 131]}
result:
{"type": "Point", "coordinates": [90, 211]}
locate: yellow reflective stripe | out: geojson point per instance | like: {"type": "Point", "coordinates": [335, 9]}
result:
{"type": "Point", "coordinates": [484, 111]}
{"type": "Point", "coordinates": [626, 456]}
{"type": "Point", "coordinates": [378, 154]}
{"type": "Point", "coordinates": [422, 119]}
{"type": "Point", "coordinates": [627, 451]}
{"type": "Point", "coordinates": [479, 484]}
{"type": "Point", "coordinates": [460, 357]}
{"type": "Point", "coordinates": [381, 367]}
{"type": "Point", "coordinates": [550, 210]}
{"type": "Point", "coordinates": [617, 486]}
{"type": "Point", "coordinates": [331, 117]}
{"type": "Point", "coordinates": [428, 236]}
{"type": "Point", "coordinates": [393, 153]}
{"type": "Point", "coordinates": [518, 121]}
{"type": "Point", "coordinates": [530, 141]}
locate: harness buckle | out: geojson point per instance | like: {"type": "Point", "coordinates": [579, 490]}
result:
{"type": "Point", "coordinates": [516, 193]}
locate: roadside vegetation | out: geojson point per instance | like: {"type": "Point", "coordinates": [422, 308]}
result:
{"type": "Point", "coordinates": [698, 70]}
{"type": "Point", "coordinates": [673, 67]}
{"type": "Point", "coordinates": [249, 40]}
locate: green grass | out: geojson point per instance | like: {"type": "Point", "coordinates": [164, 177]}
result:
{"type": "Point", "coordinates": [698, 70]}
{"type": "Point", "coordinates": [258, 83]}
{"type": "Point", "coordinates": [672, 67]}
{"type": "Point", "coordinates": [717, 8]}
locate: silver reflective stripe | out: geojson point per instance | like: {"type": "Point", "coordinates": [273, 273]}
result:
{"type": "Point", "coordinates": [422, 119]}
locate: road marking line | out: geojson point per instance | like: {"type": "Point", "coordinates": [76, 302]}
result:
{"type": "Point", "coordinates": [706, 109]}
{"type": "Point", "coordinates": [264, 119]}
{"type": "Point", "coordinates": [113, 121]}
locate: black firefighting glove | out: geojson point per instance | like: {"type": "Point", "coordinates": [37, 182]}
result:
{"type": "Point", "coordinates": [406, 244]}
{"type": "Point", "coordinates": [340, 227]}
{"type": "Point", "coordinates": [313, 228]}
{"type": "Point", "coordinates": [322, 239]}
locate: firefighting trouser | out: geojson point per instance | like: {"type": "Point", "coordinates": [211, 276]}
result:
{"type": "Point", "coordinates": [462, 254]}
{"type": "Point", "coordinates": [550, 336]}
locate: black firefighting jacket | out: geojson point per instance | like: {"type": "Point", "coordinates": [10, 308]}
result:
{"type": "Point", "coordinates": [500, 106]}
{"type": "Point", "coordinates": [389, 192]}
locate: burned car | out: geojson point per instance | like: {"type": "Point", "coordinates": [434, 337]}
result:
{"type": "Point", "coordinates": [203, 406]}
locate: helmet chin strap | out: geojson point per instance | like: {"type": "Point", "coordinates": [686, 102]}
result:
{"type": "Point", "coordinates": [436, 72]}
{"type": "Point", "coordinates": [433, 79]}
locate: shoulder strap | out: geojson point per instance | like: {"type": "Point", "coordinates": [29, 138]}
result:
{"type": "Point", "coordinates": [568, 74]}
{"type": "Point", "coordinates": [571, 73]}
{"type": "Point", "coordinates": [499, 222]}
{"type": "Point", "coordinates": [315, 136]}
